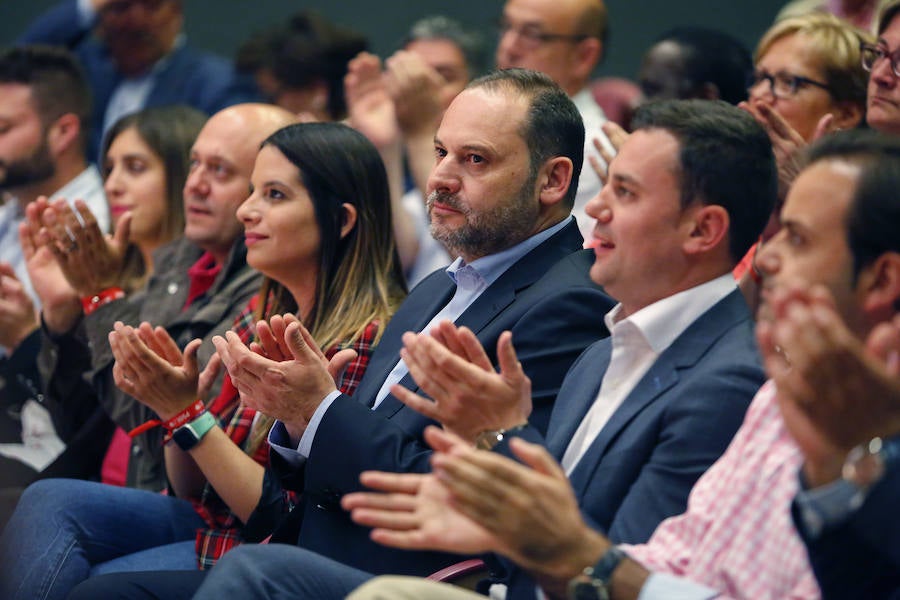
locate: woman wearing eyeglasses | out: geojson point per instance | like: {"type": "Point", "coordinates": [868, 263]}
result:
{"type": "Point", "coordinates": [808, 80]}
{"type": "Point", "coordinates": [882, 59]}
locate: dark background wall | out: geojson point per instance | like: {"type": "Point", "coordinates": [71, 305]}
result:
{"type": "Point", "coordinates": [221, 25]}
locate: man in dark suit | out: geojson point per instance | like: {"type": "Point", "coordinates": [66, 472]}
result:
{"type": "Point", "coordinates": [643, 414]}
{"type": "Point", "coordinates": [135, 55]}
{"type": "Point", "coordinates": [685, 369]}
{"type": "Point", "coordinates": [827, 394]}
{"type": "Point", "coordinates": [508, 154]}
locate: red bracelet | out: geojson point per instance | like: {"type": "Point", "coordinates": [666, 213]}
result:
{"type": "Point", "coordinates": [188, 414]}
{"type": "Point", "coordinates": [91, 303]}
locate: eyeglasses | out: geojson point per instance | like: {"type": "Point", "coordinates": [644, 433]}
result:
{"type": "Point", "coordinates": [532, 36]}
{"type": "Point", "coordinates": [784, 85]}
{"type": "Point", "coordinates": [872, 54]}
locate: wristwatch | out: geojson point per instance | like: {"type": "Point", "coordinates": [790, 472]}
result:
{"type": "Point", "coordinates": [486, 440]}
{"type": "Point", "coordinates": [189, 435]}
{"type": "Point", "coordinates": [593, 582]}
{"type": "Point", "coordinates": [865, 464]}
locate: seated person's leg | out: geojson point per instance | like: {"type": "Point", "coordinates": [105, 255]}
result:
{"type": "Point", "coordinates": [410, 588]}
{"type": "Point", "coordinates": [62, 527]}
{"type": "Point", "coordinates": [180, 556]}
{"type": "Point", "coordinates": [279, 571]}
{"type": "Point", "coordinates": [155, 585]}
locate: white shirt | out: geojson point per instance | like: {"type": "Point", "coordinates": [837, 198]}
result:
{"type": "Point", "coordinates": [637, 341]}
{"type": "Point", "coordinates": [87, 186]}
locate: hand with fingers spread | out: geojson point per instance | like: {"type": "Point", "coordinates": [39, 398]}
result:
{"type": "Point", "coordinates": [287, 376]}
{"type": "Point", "coordinates": [370, 107]}
{"type": "Point", "coordinates": [59, 301]}
{"type": "Point", "coordinates": [90, 260]}
{"type": "Point", "coordinates": [17, 315]}
{"type": "Point", "coordinates": [150, 367]}
{"type": "Point", "coordinates": [529, 508]}
{"type": "Point", "coordinates": [415, 88]}
{"type": "Point", "coordinates": [616, 136]}
{"type": "Point", "coordinates": [834, 391]}
{"type": "Point", "coordinates": [466, 395]}
{"type": "Point", "coordinates": [413, 511]}
{"type": "Point", "coordinates": [787, 143]}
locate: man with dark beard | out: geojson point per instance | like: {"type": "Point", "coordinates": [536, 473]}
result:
{"type": "Point", "coordinates": [507, 157]}
{"type": "Point", "coordinates": [45, 108]}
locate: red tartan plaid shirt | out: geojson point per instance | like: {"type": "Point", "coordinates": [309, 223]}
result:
{"type": "Point", "coordinates": [223, 530]}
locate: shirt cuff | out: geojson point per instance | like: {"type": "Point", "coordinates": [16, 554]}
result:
{"type": "Point", "coordinates": [306, 441]}
{"type": "Point", "coordinates": [661, 586]}
{"type": "Point", "coordinates": [86, 14]}
{"type": "Point", "coordinates": [828, 505]}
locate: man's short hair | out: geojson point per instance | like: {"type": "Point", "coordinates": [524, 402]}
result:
{"type": "Point", "coordinates": [873, 218]}
{"type": "Point", "coordinates": [835, 44]}
{"type": "Point", "coordinates": [552, 126]}
{"type": "Point", "coordinates": [713, 56]}
{"type": "Point", "coordinates": [439, 27]}
{"type": "Point", "coordinates": [57, 81]}
{"type": "Point", "coordinates": [725, 158]}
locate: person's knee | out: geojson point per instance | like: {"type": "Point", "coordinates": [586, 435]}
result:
{"type": "Point", "coordinates": [388, 587]}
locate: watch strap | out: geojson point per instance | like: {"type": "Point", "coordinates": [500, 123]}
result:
{"type": "Point", "coordinates": [603, 570]}
{"type": "Point", "coordinates": [189, 435]}
{"type": "Point", "coordinates": [486, 440]}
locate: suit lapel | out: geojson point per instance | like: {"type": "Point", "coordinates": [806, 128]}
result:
{"type": "Point", "coordinates": [684, 353]}
{"type": "Point", "coordinates": [426, 300]}
{"type": "Point", "coordinates": [576, 396]}
{"type": "Point", "coordinates": [430, 296]}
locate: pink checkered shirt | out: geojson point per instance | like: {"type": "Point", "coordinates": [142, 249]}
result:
{"type": "Point", "coordinates": [737, 535]}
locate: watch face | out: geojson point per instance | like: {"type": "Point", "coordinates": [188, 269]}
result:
{"type": "Point", "coordinates": [863, 467]}
{"type": "Point", "coordinates": [184, 437]}
{"type": "Point", "coordinates": [584, 588]}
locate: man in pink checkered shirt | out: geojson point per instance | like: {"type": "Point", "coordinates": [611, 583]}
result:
{"type": "Point", "coordinates": [737, 538]}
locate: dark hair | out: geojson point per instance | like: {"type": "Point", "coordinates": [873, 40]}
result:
{"type": "Point", "coordinates": [873, 218]}
{"type": "Point", "coordinates": [712, 56]}
{"type": "Point", "coordinates": [360, 277]}
{"type": "Point", "coordinates": [552, 127]}
{"type": "Point", "coordinates": [169, 132]}
{"type": "Point", "coordinates": [887, 15]}
{"type": "Point", "coordinates": [439, 27]}
{"type": "Point", "coordinates": [307, 49]}
{"type": "Point", "coordinates": [58, 84]}
{"type": "Point", "coordinates": [725, 159]}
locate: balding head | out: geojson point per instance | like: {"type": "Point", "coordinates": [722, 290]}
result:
{"type": "Point", "coordinates": [562, 38]}
{"type": "Point", "coordinates": [221, 162]}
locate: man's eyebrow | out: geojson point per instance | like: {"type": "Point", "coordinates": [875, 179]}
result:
{"type": "Point", "coordinates": [625, 178]}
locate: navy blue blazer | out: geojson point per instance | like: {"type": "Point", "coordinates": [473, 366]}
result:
{"type": "Point", "coordinates": [199, 79]}
{"type": "Point", "coordinates": [554, 311]}
{"type": "Point", "coordinates": [676, 422]}
{"type": "Point", "coordinates": [860, 558]}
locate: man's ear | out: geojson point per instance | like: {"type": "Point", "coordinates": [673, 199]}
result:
{"type": "Point", "coordinates": [880, 285]}
{"type": "Point", "coordinates": [707, 228]}
{"type": "Point", "coordinates": [588, 53]}
{"type": "Point", "coordinates": [348, 218]}
{"type": "Point", "coordinates": [556, 176]}
{"type": "Point", "coordinates": [63, 133]}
